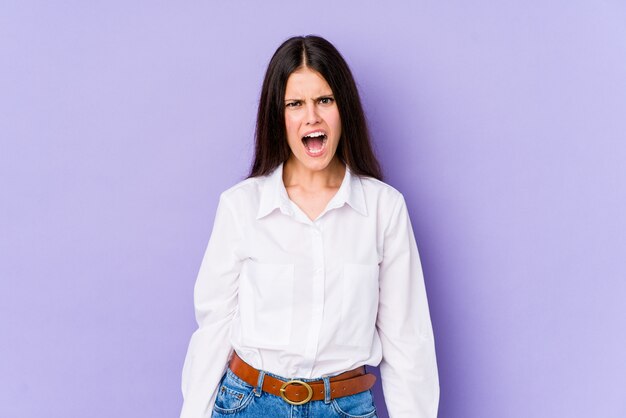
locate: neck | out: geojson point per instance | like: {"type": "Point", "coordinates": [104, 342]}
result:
{"type": "Point", "coordinates": [295, 174]}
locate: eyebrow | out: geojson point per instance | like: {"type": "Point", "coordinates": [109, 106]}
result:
{"type": "Point", "coordinates": [315, 98]}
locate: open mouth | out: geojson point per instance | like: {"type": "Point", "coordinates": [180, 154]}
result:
{"type": "Point", "coordinates": [314, 142]}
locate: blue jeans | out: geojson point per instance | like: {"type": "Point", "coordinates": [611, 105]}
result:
{"type": "Point", "coordinates": [236, 398]}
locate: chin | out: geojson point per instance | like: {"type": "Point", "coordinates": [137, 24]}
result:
{"type": "Point", "coordinates": [313, 165]}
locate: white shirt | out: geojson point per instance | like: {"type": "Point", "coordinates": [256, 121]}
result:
{"type": "Point", "coordinates": [303, 299]}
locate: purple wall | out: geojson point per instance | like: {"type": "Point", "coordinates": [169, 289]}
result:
{"type": "Point", "coordinates": [503, 125]}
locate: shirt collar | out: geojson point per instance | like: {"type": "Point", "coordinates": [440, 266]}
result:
{"type": "Point", "coordinates": [274, 195]}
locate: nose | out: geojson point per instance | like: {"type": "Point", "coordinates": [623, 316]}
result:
{"type": "Point", "coordinates": [312, 117]}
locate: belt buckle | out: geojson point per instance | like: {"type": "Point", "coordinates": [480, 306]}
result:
{"type": "Point", "coordinates": [308, 387]}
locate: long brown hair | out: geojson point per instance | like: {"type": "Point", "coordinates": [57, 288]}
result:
{"type": "Point", "coordinates": [316, 53]}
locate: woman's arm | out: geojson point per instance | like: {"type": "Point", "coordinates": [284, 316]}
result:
{"type": "Point", "coordinates": [215, 302]}
{"type": "Point", "coordinates": [409, 368]}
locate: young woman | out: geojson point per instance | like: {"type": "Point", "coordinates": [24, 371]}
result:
{"type": "Point", "coordinates": [312, 270]}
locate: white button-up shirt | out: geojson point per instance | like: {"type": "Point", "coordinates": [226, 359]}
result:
{"type": "Point", "coordinates": [304, 299]}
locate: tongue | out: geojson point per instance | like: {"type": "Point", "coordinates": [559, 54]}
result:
{"type": "Point", "coordinates": [314, 144]}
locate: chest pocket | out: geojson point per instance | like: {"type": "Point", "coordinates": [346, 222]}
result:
{"type": "Point", "coordinates": [359, 304]}
{"type": "Point", "coordinates": [266, 303]}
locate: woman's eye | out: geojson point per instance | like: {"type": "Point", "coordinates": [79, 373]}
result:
{"type": "Point", "coordinates": [293, 104]}
{"type": "Point", "coordinates": [326, 100]}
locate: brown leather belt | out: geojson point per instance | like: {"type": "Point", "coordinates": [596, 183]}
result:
{"type": "Point", "coordinates": [297, 392]}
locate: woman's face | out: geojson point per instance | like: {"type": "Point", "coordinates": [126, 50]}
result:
{"type": "Point", "coordinates": [311, 119]}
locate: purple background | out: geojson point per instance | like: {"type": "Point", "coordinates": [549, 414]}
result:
{"type": "Point", "coordinates": [503, 123]}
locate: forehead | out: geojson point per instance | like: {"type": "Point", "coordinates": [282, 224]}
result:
{"type": "Point", "coordinates": [305, 81]}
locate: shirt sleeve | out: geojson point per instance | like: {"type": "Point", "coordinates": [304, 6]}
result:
{"type": "Point", "coordinates": [215, 302]}
{"type": "Point", "coordinates": [409, 368]}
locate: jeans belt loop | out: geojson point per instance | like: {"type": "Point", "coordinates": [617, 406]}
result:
{"type": "Point", "coordinates": [259, 385]}
{"type": "Point", "coordinates": [326, 389]}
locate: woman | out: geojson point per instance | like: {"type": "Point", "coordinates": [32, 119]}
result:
{"type": "Point", "coordinates": [312, 270]}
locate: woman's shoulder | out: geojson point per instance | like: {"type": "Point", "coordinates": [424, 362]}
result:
{"type": "Point", "coordinates": [243, 191]}
{"type": "Point", "coordinates": [378, 188]}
